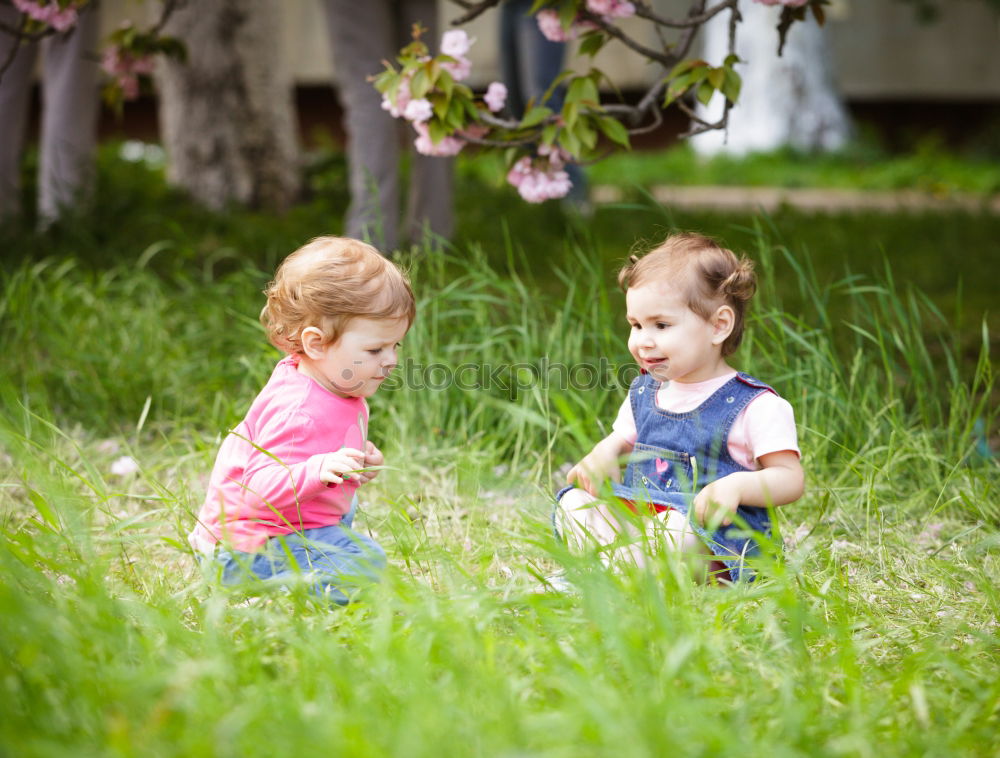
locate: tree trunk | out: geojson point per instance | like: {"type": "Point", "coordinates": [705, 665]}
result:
{"type": "Point", "coordinates": [786, 101]}
{"type": "Point", "coordinates": [227, 115]}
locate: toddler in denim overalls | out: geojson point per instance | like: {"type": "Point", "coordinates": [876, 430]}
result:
{"type": "Point", "coordinates": [709, 448]}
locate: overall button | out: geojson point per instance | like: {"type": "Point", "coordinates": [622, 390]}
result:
{"type": "Point", "coordinates": [730, 399]}
{"type": "Point", "coordinates": [641, 390]}
{"type": "Point", "coordinates": [645, 481]}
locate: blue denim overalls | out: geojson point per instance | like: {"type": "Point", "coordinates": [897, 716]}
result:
{"type": "Point", "coordinates": [677, 454]}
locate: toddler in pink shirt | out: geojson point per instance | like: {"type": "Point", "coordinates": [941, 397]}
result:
{"type": "Point", "coordinates": [282, 494]}
{"type": "Point", "coordinates": [709, 449]}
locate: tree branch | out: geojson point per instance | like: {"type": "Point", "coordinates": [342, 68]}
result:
{"type": "Point", "coordinates": [644, 11]}
{"type": "Point", "coordinates": [666, 59]}
{"type": "Point", "coordinates": [169, 6]}
{"type": "Point", "coordinates": [473, 10]}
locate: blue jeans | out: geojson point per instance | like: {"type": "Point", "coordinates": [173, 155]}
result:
{"type": "Point", "coordinates": [335, 560]}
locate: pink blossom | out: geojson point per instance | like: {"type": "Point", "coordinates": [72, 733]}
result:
{"type": "Point", "coordinates": [447, 146]}
{"type": "Point", "coordinates": [556, 155]}
{"type": "Point", "coordinates": [460, 69]}
{"type": "Point", "coordinates": [129, 86]}
{"type": "Point", "coordinates": [49, 13]}
{"type": "Point", "coordinates": [403, 96]}
{"type": "Point", "coordinates": [609, 9]}
{"type": "Point", "coordinates": [418, 110]}
{"type": "Point", "coordinates": [474, 131]}
{"type": "Point", "coordinates": [117, 62]}
{"type": "Point", "coordinates": [63, 19]}
{"type": "Point", "coordinates": [551, 27]}
{"type": "Point", "coordinates": [537, 185]}
{"type": "Point", "coordinates": [456, 43]}
{"type": "Point", "coordinates": [496, 96]}
{"type": "Point", "coordinates": [126, 68]}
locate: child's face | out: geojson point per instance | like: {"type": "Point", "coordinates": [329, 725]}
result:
{"type": "Point", "coordinates": [362, 357]}
{"type": "Point", "coordinates": [668, 339]}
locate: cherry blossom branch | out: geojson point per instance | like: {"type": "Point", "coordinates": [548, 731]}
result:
{"type": "Point", "coordinates": [447, 115]}
{"type": "Point", "coordinates": [665, 59]}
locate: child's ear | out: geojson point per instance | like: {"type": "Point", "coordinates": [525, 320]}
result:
{"type": "Point", "coordinates": [723, 322]}
{"type": "Point", "coordinates": [313, 342]}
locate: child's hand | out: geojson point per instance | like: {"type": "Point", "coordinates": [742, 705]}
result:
{"type": "Point", "coordinates": [339, 466]}
{"type": "Point", "coordinates": [778, 481]}
{"type": "Point", "coordinates": [373, 457]}
{"type": "Point", "coordinates": [599, 464]}
{"type": "Point", "coordinates": [718, 501]}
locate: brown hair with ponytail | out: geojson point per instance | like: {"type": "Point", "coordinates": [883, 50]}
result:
{"type": "Point", "coordinates": [709, 274]}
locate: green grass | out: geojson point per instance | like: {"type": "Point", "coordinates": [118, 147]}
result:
{"type": "Point", "coordinates": [875, 635]}
{"type": "Point", "coordinates": [928, 168]}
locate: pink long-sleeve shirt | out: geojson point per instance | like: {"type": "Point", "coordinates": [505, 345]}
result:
{"type": "Point", "coordinates": [265, 481]}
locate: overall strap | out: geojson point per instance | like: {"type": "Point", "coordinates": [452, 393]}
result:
{"type": "Point", "coordinates": [642, 395]}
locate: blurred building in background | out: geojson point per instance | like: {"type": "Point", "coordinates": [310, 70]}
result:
{"type": "Point", "coordinates": [893, 70]}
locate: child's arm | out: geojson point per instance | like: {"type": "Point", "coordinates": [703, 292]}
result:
{"type": "Point", "coordinates": [279, 485]}
{"type": "Point", "coordinates": [603, 462]}
{"type": "Point", "coordinates": [779, 481]}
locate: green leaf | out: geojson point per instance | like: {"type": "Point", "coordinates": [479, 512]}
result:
{"type": "Point", "coordinates": [731, 85]}
{"type": "Point", "coordinates": [563, 75]}
{"type": "Point", "coordinates": [446, 82]}
{"type": "Point", "coordinates": [436, 130]}
{"type": "Point", "coordinates": [471, 111]}
{"type": "Point", "coordinates": [684, 66]}
{"type": "Point", "coordinates": [535, 116]}
{"type": "Point", "coordinates": [386, 80]}
{"type": "Point", "coordinates": [677, 88]}
{"type": "Point", "coordinates": [705, 92]}
{"type": "Point", "coordinates": [567, 14]}
{"type": "Point", "coordinates": [419, 84]}
{"type": "Point", "coordinates": [592, 43]}
{"type": "Point", "coordinates": [454, 118]}
{"type": "Point", "coordinates": [586, 133]}
{"type": "Point", "coordinates": [173, 48]}
{"type": "Point", "coordinates": [590, 95]}
{"type": "Point", "coordinates": [549, 134]}
{"type": "Point", "coordinates": [570, 142]}
{"type": "Point", "coordinates": [614, 130]}
{"type": "Point", "coordinates": [570, 112]}
{"type": "Point", "coordinates": [441, 104]}
{"type": "Point", "coordinates": [716, 77]}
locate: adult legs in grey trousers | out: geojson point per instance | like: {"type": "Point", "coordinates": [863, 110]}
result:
{"type": "Point", "coordinates": [529, 62]}
{"type": "Point", "coordinates": [69, 115]}
{"type": "Point", "coordinates": [362, 35]}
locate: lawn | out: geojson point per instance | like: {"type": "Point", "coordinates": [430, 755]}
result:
{"type": "Point", "coordinates": [132, 331]}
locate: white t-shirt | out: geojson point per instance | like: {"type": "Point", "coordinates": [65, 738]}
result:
{"type": "Point", "coordinates": [766, 425]}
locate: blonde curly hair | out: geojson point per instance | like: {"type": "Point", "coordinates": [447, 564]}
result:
{"type": "Point", "coordinates": [326, 283]}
